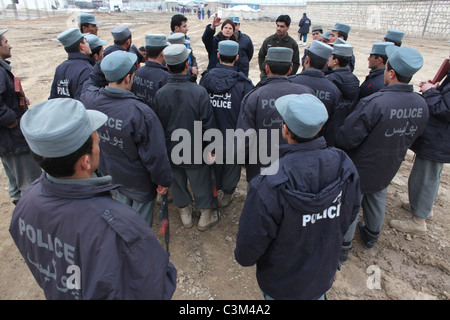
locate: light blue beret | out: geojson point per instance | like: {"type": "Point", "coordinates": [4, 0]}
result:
{"type": "Point", "coordinates": [326, 35]}
{"type": "Point", "coordinates": [58, 127]}
{"type": "Point", "coordinates": [379, 48]}
{"type": "Point", "coordinates": [228, 48]}
{"type": "Point", "coordinates": [156, 40]}
{"type": "Point", "coordinates": [176, 54]}
{"type": "Point", "coordinates": [87, 18]}
{"type": "Point", "coordinates": [320, 49]}
{"type": "Point", "coordinates": [70, 37]}
{"type": "Point", "coordinates": [394, 35]}
{"type": "Point", "coordinates": [235, 19]}
{"type": "Point", "coordinates": [345, 50]}
{"type": "Point", "coordinates": [279, 54]}
{"type": "Point", "coordinates": [117, 64]}
{"type": "Point", "coordinates": [121, 33]}
{"type": "Point", "coordinates": [304, 114]}
{"type": "Point", "coordinates": [316, 28]}
{"type": "Point", "coordinates": [178, 38]}
{"type": "Point", "coordinates": [406, 61]}
{"type": "Point", "coordinates": [3, 31]}
{"type": "Point", "coordinates": [338, 41]}
{"type": "Point", "coordinates": [94, 41]}
{"type": "Point", "coordinates": [341, 27]}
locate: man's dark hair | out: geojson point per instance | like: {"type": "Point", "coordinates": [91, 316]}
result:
{"type": "Point", "coordinates": [298, 139]}
{"type": "Point", "coordinates": [177, 19]}
{"type": "Point", "coordinates": [227, 59]}
{"type": "Point", "coordinates": [343, 61]}
{"type": "Point", "coordinates": [384, 58]}
{"type": "Point", "coordinates": [74, 48]}
{"type": "Point", "coordinates": [177, 68]}
{"type": "Point", "coordinates": [343, 35]}
{"type": "Point", "coordinates": [400, 78]}
{"type": "Point", "coordinates": [122, 42]}
{"type": "Point", "coordinates": [153, 52]}
{"type": "Point", "coordinates": [96, 50]}
{"type": "Point", "coordinates": [63, 166]}
{"type": "Point", "coordinates": [279, 68]}
{"type": "Point", "coordinates": [315, 61]}
{"type": "Point", "coordinates": [284, 18]}
{"type": "Point", "coordinates": [397, 43]}
{"type": "Point", "coordinates": [86, 25]}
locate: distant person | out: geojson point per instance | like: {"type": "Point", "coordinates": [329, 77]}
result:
{"type": "Point", "coordinates": [293, 222]}
{"type": "Point", "coordinates": [78, 242]}
{"type": "Point", "coordinates": [70, 75]}
{"type": "Point", "coordinates": [304, 25]}
{"type": "Point", "coordinates": [316, 31]}
{"type": "Point", "coordinates": [341, 31]}
{"type": "Point", "coordinates": [20, 167]}
{"type": "Point", "coordinates": [123, 39]}
{"type": "Point", "coordinates": [246, 48]}
{"type": "Point", "coordinates": [280, 39]}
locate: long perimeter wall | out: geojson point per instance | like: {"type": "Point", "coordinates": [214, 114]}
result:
{"type": "Point", "coordinates": [417, 18]}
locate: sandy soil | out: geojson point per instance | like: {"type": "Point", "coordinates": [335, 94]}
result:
{"type": "Point", "coordinates": [408, 266]}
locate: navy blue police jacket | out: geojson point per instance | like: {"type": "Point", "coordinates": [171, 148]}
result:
{"type": "Point", "coordinates": [304, 25]}
{"type": "Point", "coordinates": [80, 243]}
{"type": "Point", "coordinates": [246, 50]}
{"type": "Point", "coordinates": [348, 83]}
{"type": "Point", "coordinates": [185, 105]}
{"type": "Point", "coordinates": [324, 89]}
{"type": "Point", "coordinates": [434, 143]}
{"type": "Point", "coordinates": [132, 144]}
{"type": "Point", "coordinates": [258, 112]}
{"type": "Point", "coordinates": [374, 82]}
{"type": "Point", "coordinates": [378, 133]}
{"type": "Point", "coordinates": [70, 76]}
{"type": "Point", "coordinates": [293, 222]}
{"type": "Point", "coordinates": [226, 88]}
{"type": "Point", "coordinates": [149, 79]}
{"type": "Point", "coordinates": [12, 141]}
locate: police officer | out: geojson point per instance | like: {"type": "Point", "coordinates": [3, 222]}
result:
{"type": "Point", "coordinates": [132, 140]}
{"type": "Point", "coordinates": [72, 73]}
{"type": "Point", "coordinates": [154, 74]}
{"type": "Point", "coordinates": [246, 48]}
{"type": "Point", "coordinates": [258, 110]}
{"type": "Point", "coordinates": [77, 241]}
{"type": "Point", "coordinates": [375, 79]}
{"type": "Point", "coordinates": [96, 46]}
{"type": "Point", "coordinates": [432, 150]}
{"type": "Point", "coordinates": [293, 221]}
{"type": "Point", "coordinates": [316, 59]}
{"type": "Point", "coordinates": [20, 167]}
{"type": "Point", "coordinates": [87, 23]}
{"type": "Point", "coordinates": [341, 31]}
{"type": "Point", "coordinates": [185, 105]}
{"type": "Point", "coordinates": [394, 36]}
{"type": "Point", "coordinates": [122, 36]}
{"type": "Point", "coordinates": [377, 135]}
{"type": "Point", "coordinates": [347, 83]}
{"type": "Point", "coordinates": [226, 87]}
{"type": "Point", "coordinates": [181, 38]}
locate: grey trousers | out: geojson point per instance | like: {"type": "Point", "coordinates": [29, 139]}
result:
{"type": "Point", "coordinates": [423, 186]}
{"type": "Point", "coordinates": [201, 184]}
{"type": "Point", "coordinates": [21, 171]}
{"type": "Point", "coordinates": [374, 211]}
{"type": "Point", "coordinates": [228, 176]}
{"type": "Point", "coordinates": [145, 210]}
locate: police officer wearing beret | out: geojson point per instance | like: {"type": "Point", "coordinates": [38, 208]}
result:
{"type": "Point", "coordinates": [258, 110]}
{"type": "Point", "coordinates": [132, 141]}
{"type": "Point", "coordinates": [377, 135]}
{"type": "Point", "coordinates": [87, 23]}
{"type": "Point", "coordinates": [20, 167]}
{"type": "Point", "coordinates": [293, 221]}
{"type": "Point", "coordinates": [78, 242]}
{"type": "Point", "coordinates": [154, 74]}
{"type": "Point", "coordinates": [226, 87]}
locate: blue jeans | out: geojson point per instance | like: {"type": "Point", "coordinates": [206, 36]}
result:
{"type": "Point", "coordinates": [302, 35]}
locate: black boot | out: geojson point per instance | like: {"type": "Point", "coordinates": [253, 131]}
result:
{"type": "Point", "coordinates": [368, 238]}
{"type": "Point", "coordinates": [346, 247]}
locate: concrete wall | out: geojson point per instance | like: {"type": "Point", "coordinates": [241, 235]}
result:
{"type": "Point", "coordinates": [418, 18]}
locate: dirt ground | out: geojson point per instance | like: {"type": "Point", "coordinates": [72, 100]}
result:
{"type": "Point", "coordinates": [408, 266]}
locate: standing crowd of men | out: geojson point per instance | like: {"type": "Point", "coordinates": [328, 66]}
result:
{"type": "Point", "coordinates": [121, 127]}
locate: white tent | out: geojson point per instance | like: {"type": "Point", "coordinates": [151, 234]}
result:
{"type": "Point", "coordinates": [244, 12]}
{"type": "Point", "coordinates": [40, 4]}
